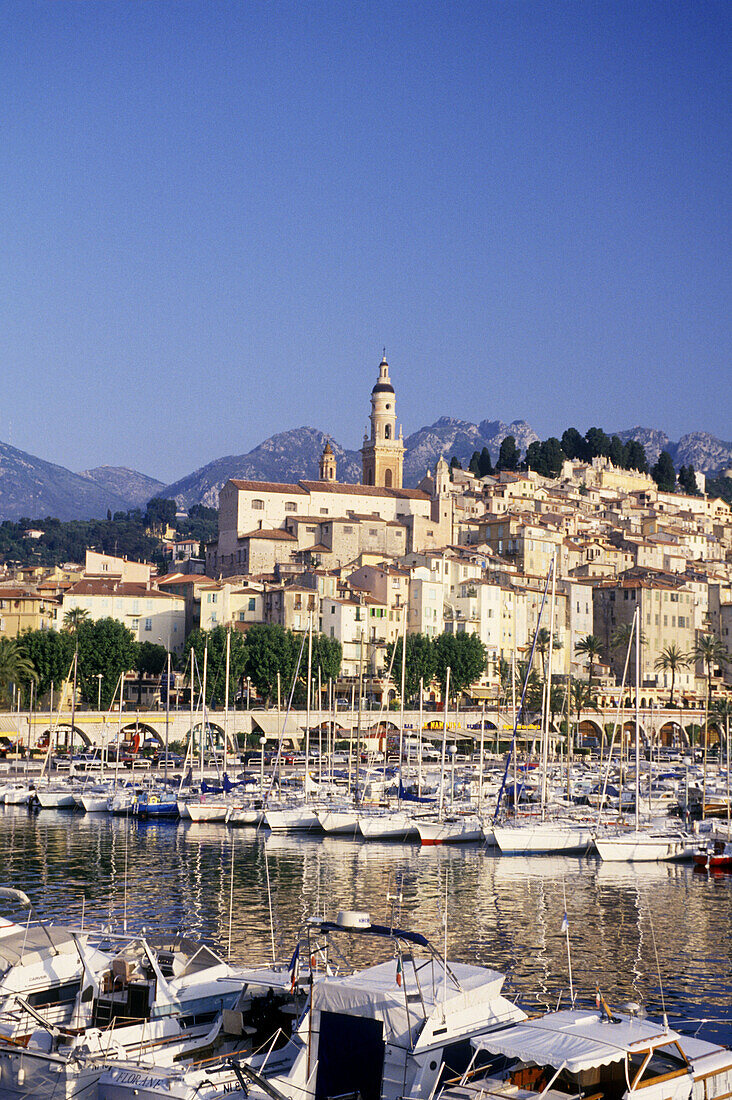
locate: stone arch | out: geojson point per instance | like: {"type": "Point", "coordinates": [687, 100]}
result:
{"type": "Point", "coordinates": [64, 731]}
{"type": "Point", "coordinates": [131, 728]}
{"type": "Point", "coordinates": [588, 727]}
{"type": "Point", "coordinates": [387, 479]}
{"type": "Point", "coordinates": [387, 431]}
{"type": "Point", "coordinates": [669, 734]}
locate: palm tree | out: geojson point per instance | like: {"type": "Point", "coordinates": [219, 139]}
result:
{"type": "Point", "coordinates": [582, 697]}
{"type": "Point", "coordinates": [621, 637]}
{"type": "Point", "coordinates": [15, 667]}
{"type": "Point", "coordinates": [543, 638]}
{"type": "Point", "coordinates": [671, 658]}
{"type": "Point", "coordinates": [73, 619]}
{"type": "Point", "coordinates": [590, 647]}
{"type": "Point", "coordinates": [711, 651]}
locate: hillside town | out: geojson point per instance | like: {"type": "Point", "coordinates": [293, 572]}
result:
{"type": "Point", "coordinates": [460, 554]}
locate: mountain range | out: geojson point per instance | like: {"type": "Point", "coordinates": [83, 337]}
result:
{"type": "Point", "coordinates": [32, 487]}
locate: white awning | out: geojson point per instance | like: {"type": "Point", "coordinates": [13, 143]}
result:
{"type": "Point", "coordinates": [576, 1040]}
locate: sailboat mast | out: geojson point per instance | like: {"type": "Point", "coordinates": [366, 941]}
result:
{"type": "Point", "coordinates": [444, 745]}
{"type": "Point", "coordinates": [636, 628]}
{"type": "Point", "coordinates": [401, 701]}
{"type": "Point", "coordinates": [226, 697]}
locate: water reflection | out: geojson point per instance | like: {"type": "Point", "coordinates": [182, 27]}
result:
{"type": "Point", "coordinates": [628, 923]}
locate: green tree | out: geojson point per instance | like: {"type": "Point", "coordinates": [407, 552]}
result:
{"type": "Point", "coordinates": [590, 647]}
{"type": "Point", "coordinates": [270, 650]}
{"type": "Point", "coordinates": [635, 457]}
{"type": "Point", "coordinates": [509, 455]}
{"type": "Point", "coordinates": [474, 464]}
{"type": "Point", "coordinates": [620, 639]}
{"type": "Point", "coordinates": [50, 652]}
{"type": "Point", "coordinates": [670, 659]}
{"type": "Point", "coordinates": [663, 473]}
{"type": "Point", "coordinates": [150, 660]}
{"type": "Point", "coordinates": [327, 656]}
{"type": "Point", "coordinates": [573, 445]}
{"type": "Point", "coordinates": [617, 453]}
{"type": "Point", "coordinates": [216, 662]}
{"type": "Point", "coordinates": [419, 663]}
{"type": "Point", "coordinates": [597, 443]}
{"type": "Point", "coordinates": [455, 464]}
{"type": "Point", "coordinates": [15, 668]}
{"type": "Point", "coordinates": [107, 647]}
{"type": "Point", "coordinates": [486, 466]}
{"type": "Point", "coordinates": [466, 656]}
{"type": "Point", "coordinates": [160, 513]}
{"type": "Point", "coordinates": [687, 481]}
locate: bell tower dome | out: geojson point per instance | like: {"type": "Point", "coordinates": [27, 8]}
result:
{"type": "Point", "coordinates": [383, 452]}
{"type": "Point", "coordinates": [327, 464]}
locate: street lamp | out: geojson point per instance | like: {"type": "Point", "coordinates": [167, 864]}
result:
{"type": "Point", "coordinates": [100, 677]}
{"type": "Point", "coordinates": [262, 742]}
{"type": "Point", "coordinates": [249, 687]}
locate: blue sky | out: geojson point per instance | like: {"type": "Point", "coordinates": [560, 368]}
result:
{"type": "Point", "coordinates": [216, 214]}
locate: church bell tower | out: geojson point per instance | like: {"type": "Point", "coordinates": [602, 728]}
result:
{"type": "Point", "coordinates": [383, 452]}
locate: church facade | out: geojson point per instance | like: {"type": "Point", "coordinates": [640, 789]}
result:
{"type": "Point", "coordinates": [263, 525]}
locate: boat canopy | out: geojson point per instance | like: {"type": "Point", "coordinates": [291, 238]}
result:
{"type": "Point", "coordinates": [575, 1040]}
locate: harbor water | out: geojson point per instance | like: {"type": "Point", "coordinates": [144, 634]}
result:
{"type": "Point", "coordinates": [656, 934]}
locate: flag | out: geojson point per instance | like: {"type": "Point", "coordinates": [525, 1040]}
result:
{"type": "Point", "coordinates": [294, 967]}
{"type": "Point", "coordinates": [399, 972]}
{"type": "Point", "coordinates": [565, 923]}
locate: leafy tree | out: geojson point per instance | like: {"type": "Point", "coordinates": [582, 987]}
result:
{"type": "Point", "coordinates": [270, 650]}
{"type": "Point", "coordinates": [105, 646]}
{"type": "Point", "coordinates": [720, 487]}
{"type": "Point", "coordinates": [150, 660]}
{"type": "Point", "coordinates": [419, 663]}
{"type": "Point", "coordinates": [669, 660]}
{"type": "Point", "coordinates": [597, 443]}
{"type": "Point", "coordinates": [590, 647]}
{"type": "Point", "coordinates": [15, 668]}
{"type": "Point", "coordinates": [216, 662]}
{"type": "Point", "coordinates": [474, 464]}
{"type": "Point", "coordinates": [50, 652]}
{"type": "Point", "coordinates": [663, 473]}
{"type": "Point", "coordinates": [326, 659]}
{"type": "Point", "coordinates": [573, 445]}
{"type": "Point", "coordinates": [509, 454]}
{"type": "Point", "coordinates": [466, 656]}
{"type": "Point", "coordinates": [160, 513]}
{"type": "Point", "coordinates": [455, 464]}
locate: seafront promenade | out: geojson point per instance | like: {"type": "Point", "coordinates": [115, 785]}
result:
{"type": "Point", "coordinates": [670, 728]}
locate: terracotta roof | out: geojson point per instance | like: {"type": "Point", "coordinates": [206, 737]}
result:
{"type": "Point", "coordinates": [364, 490]}
{"type": "Point", "coordinates": [271, 536]}
{"type": "Point", "coordinates": [267, 487]}
{"type": "Point", "coordinates": [106, 588]}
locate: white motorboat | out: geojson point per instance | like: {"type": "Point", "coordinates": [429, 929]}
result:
{"type": "Point", "coordinates": [383, 1033]}
{"type": "Point", "coordinates": [599, 1054]}
{"type": "Point", "coordinates": [151, 1001]}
